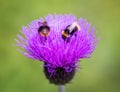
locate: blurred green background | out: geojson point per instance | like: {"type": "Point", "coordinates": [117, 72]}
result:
{"type": "Point", "coordinates": [100, 73]}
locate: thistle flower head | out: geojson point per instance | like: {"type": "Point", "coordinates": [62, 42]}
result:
{"type": "Point", "coordinates": [60, 41]}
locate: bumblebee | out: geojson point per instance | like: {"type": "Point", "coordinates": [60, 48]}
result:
{"type": "Point", "coordinates": [44, 29]}
{"type": "Point", "coordinates": [70, 30]}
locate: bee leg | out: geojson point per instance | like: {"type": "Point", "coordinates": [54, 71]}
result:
{"type": "Point", "coordinates": [68, 39]}
{"type": "Point", "coordinates": [75, 35]}
{"type": "Point", "coordinates": [64, 38]}
{"type": "Point", "coordinates": [45, 38]}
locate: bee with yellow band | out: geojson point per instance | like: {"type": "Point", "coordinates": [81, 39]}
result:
{"type": "Point", "coordinates": [44, 29]}
{"type": "Point", "coordinates": [70, 30]}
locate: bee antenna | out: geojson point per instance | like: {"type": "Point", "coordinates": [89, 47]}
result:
{"type": "Point", "coordinates": [45, 22]}
{"type": "Point", "coordinates": [42, 23]}
{"type": "Point", "coordinates": [39, 23]}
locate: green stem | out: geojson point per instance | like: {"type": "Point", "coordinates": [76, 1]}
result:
{"type": "Point", "coordinates": [61, 88]}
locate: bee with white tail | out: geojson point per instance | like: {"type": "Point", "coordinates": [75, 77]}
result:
{"type": "Point", "coordinates": [70, 30]}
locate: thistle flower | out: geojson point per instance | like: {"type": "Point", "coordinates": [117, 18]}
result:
{"type": "Point", "coordinates": [60, 42]}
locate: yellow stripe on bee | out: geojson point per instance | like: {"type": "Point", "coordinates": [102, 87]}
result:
{"type": "Point", "coordinates": [44, 35]}
{"type": "Point", "coordinates": [78, 27]}
{"type": "Point", "coordinates": [64, 34]}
